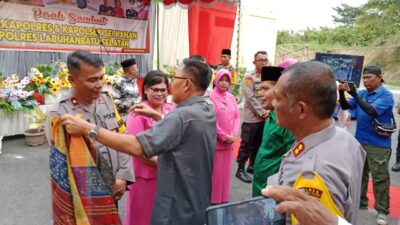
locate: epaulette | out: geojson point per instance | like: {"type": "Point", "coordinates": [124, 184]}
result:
{"type": "Point", "coordinates": [54, 107]}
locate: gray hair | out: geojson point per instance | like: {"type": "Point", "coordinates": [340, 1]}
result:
{"type": "Point", "coordinates": [314, 83]}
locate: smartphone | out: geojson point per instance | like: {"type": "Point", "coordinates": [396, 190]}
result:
{"type": "Point", "coordinates": [352, 85]}
{"type": "Point", "coordinates": [254, 211]}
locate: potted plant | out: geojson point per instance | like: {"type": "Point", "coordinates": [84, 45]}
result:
{"type": "Point", "coordinates": [34, 136]}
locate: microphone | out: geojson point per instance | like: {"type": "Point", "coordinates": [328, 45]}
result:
{"type": "Point", "coordinates": [101, 43]}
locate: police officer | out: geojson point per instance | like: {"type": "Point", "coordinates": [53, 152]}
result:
{"type": "Point", "coordinates": [326, 161]}
{"type": "Point", "coordinates": [86, 77]}
{"type": "Point", "coordinates": [125, 90]}
{"type": "Point", "coordinates": [253, 119]}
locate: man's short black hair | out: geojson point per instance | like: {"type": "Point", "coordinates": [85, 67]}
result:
{"type": "Point", "coordinates": [198, 57]}
{"type": "Point", "coordinates": [260, 53]}
{"type": "Point", "coordinates": [199, 72]}
{"type": "Point", "coordinates": [77, 58]}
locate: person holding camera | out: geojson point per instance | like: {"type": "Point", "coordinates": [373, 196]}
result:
{"type": "Point", "coordinates": [374, 126]}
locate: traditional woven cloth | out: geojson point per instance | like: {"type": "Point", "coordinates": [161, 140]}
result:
{"type": "Point", "coordinates": [81, 181]}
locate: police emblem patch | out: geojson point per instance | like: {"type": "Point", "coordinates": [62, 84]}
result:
{"type": "Point", "coordinates": [249, 81]}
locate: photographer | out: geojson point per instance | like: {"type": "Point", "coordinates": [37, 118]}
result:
{"type": "Point", "coordinates": [375, 102]}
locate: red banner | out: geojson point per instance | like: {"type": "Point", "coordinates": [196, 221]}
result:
{"type": "Point", "coordinates": [210, 30]}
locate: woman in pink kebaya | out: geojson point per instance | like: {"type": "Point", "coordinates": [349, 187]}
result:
{"type": "Point", "coordinates": [140, 199]}
{"type": "Point", "coordinates": [228, 120]}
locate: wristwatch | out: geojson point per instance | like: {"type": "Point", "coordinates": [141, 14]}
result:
{"type": "Point", "coordinates": [93, 132]}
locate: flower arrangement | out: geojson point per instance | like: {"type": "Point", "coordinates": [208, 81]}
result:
{"type": "Point", "coordinates": [112, 72]}
{"type": "Point", "coordinates": [169, 71]}
{"type": "Point", "coordinates": [48, 79]}
{"type": "Point", "coordinates": [14, 97]}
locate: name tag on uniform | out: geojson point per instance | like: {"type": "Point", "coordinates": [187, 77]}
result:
{"type": "Point", "coordinates": [109, 116]}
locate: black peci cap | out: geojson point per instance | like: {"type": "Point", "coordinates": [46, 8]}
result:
{"type": "Point", "coordinates": [226, 51]}
{"type": "Point", "coordinates": [128, 62]}
{"type": "Point", "coordinates": [271, 73]}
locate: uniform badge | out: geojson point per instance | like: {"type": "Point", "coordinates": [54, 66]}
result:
{"type": "Point", "coordinates": [249, 81]}
{"type": "Point", "coordinates": [314, 192]}
{"type": "Point", "coordinates": [298, 149]}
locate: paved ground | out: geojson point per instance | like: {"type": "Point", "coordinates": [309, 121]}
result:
{"type": "Point", "coordinates": [25, 190]}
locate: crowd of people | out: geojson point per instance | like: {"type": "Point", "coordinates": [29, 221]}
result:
{"type": "Point", "coordinates": [182, 152]}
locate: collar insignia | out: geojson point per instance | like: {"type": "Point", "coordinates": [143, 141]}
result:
{"type": "Point", "coordinates": [74, 101]}
{"type": "Point", "coordinates": [298, 149]}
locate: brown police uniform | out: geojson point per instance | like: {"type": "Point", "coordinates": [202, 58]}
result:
{"type": "Point", "coordinates": [101, 113]}
{"type": "Point", "coordinates": [253, 123]}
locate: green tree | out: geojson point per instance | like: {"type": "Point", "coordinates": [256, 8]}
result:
{"type": "Point", "coordinates": [347, 15]}
{"type": "Point", "coordinates": [379, 20]}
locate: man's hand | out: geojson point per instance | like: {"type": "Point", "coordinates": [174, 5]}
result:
{"type": "Point", "coordinates": [145, 110]}
{"type": "Point", "coordinates": [307, 209]}
{"type": "Point", "coordinates": [266, 115]}
{"type": "Point", "coordinates": [349, 88]}
{"type": "Point", "coordinates": [119, 189]}
{"type": "Point", "coordinates": [344, 86]}
{"type": "Point", "coordinates": [76, 126]}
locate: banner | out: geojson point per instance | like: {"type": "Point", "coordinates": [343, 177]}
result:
{"type": "Point", "coordinates": [119, 26]}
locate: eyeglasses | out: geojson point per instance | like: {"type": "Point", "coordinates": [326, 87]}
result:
{"type": "Point", "coordinates": [158, 90]}
{"type": "Point", "coordinates": [261, 60]}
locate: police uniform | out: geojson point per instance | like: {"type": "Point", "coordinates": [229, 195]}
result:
{"type": "Point", "coordinates": [253, 123]}
{"type": "Point", "coordinates": [101, 113]}
{"type": "Point", "coordinates": [338, 159]}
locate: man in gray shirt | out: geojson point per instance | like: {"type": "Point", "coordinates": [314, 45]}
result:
{"type": "Point", "coordinates": [184, 141]}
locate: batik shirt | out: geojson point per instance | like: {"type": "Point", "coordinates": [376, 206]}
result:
{"type": "Point", "coordinates": [125, 92]}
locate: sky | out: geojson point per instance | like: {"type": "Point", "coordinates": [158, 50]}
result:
{"type": "Point", "coordinates": [299, 14]}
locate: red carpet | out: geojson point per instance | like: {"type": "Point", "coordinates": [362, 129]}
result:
{"type": "Point", "coordinates": [394, 200]}
{"type": "Point", "coordinates": [394, 191]}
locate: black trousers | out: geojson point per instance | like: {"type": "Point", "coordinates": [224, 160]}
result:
{"type": "Point", "coordinates": [251, 140]}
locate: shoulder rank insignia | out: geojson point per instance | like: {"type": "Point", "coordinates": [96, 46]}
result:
{"type": "Point", "coordinates": [74, 101]}
{"type": "Point", "coordinates": [298, 149]}
{"type": "Point", "coordinates": [249, 81]}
